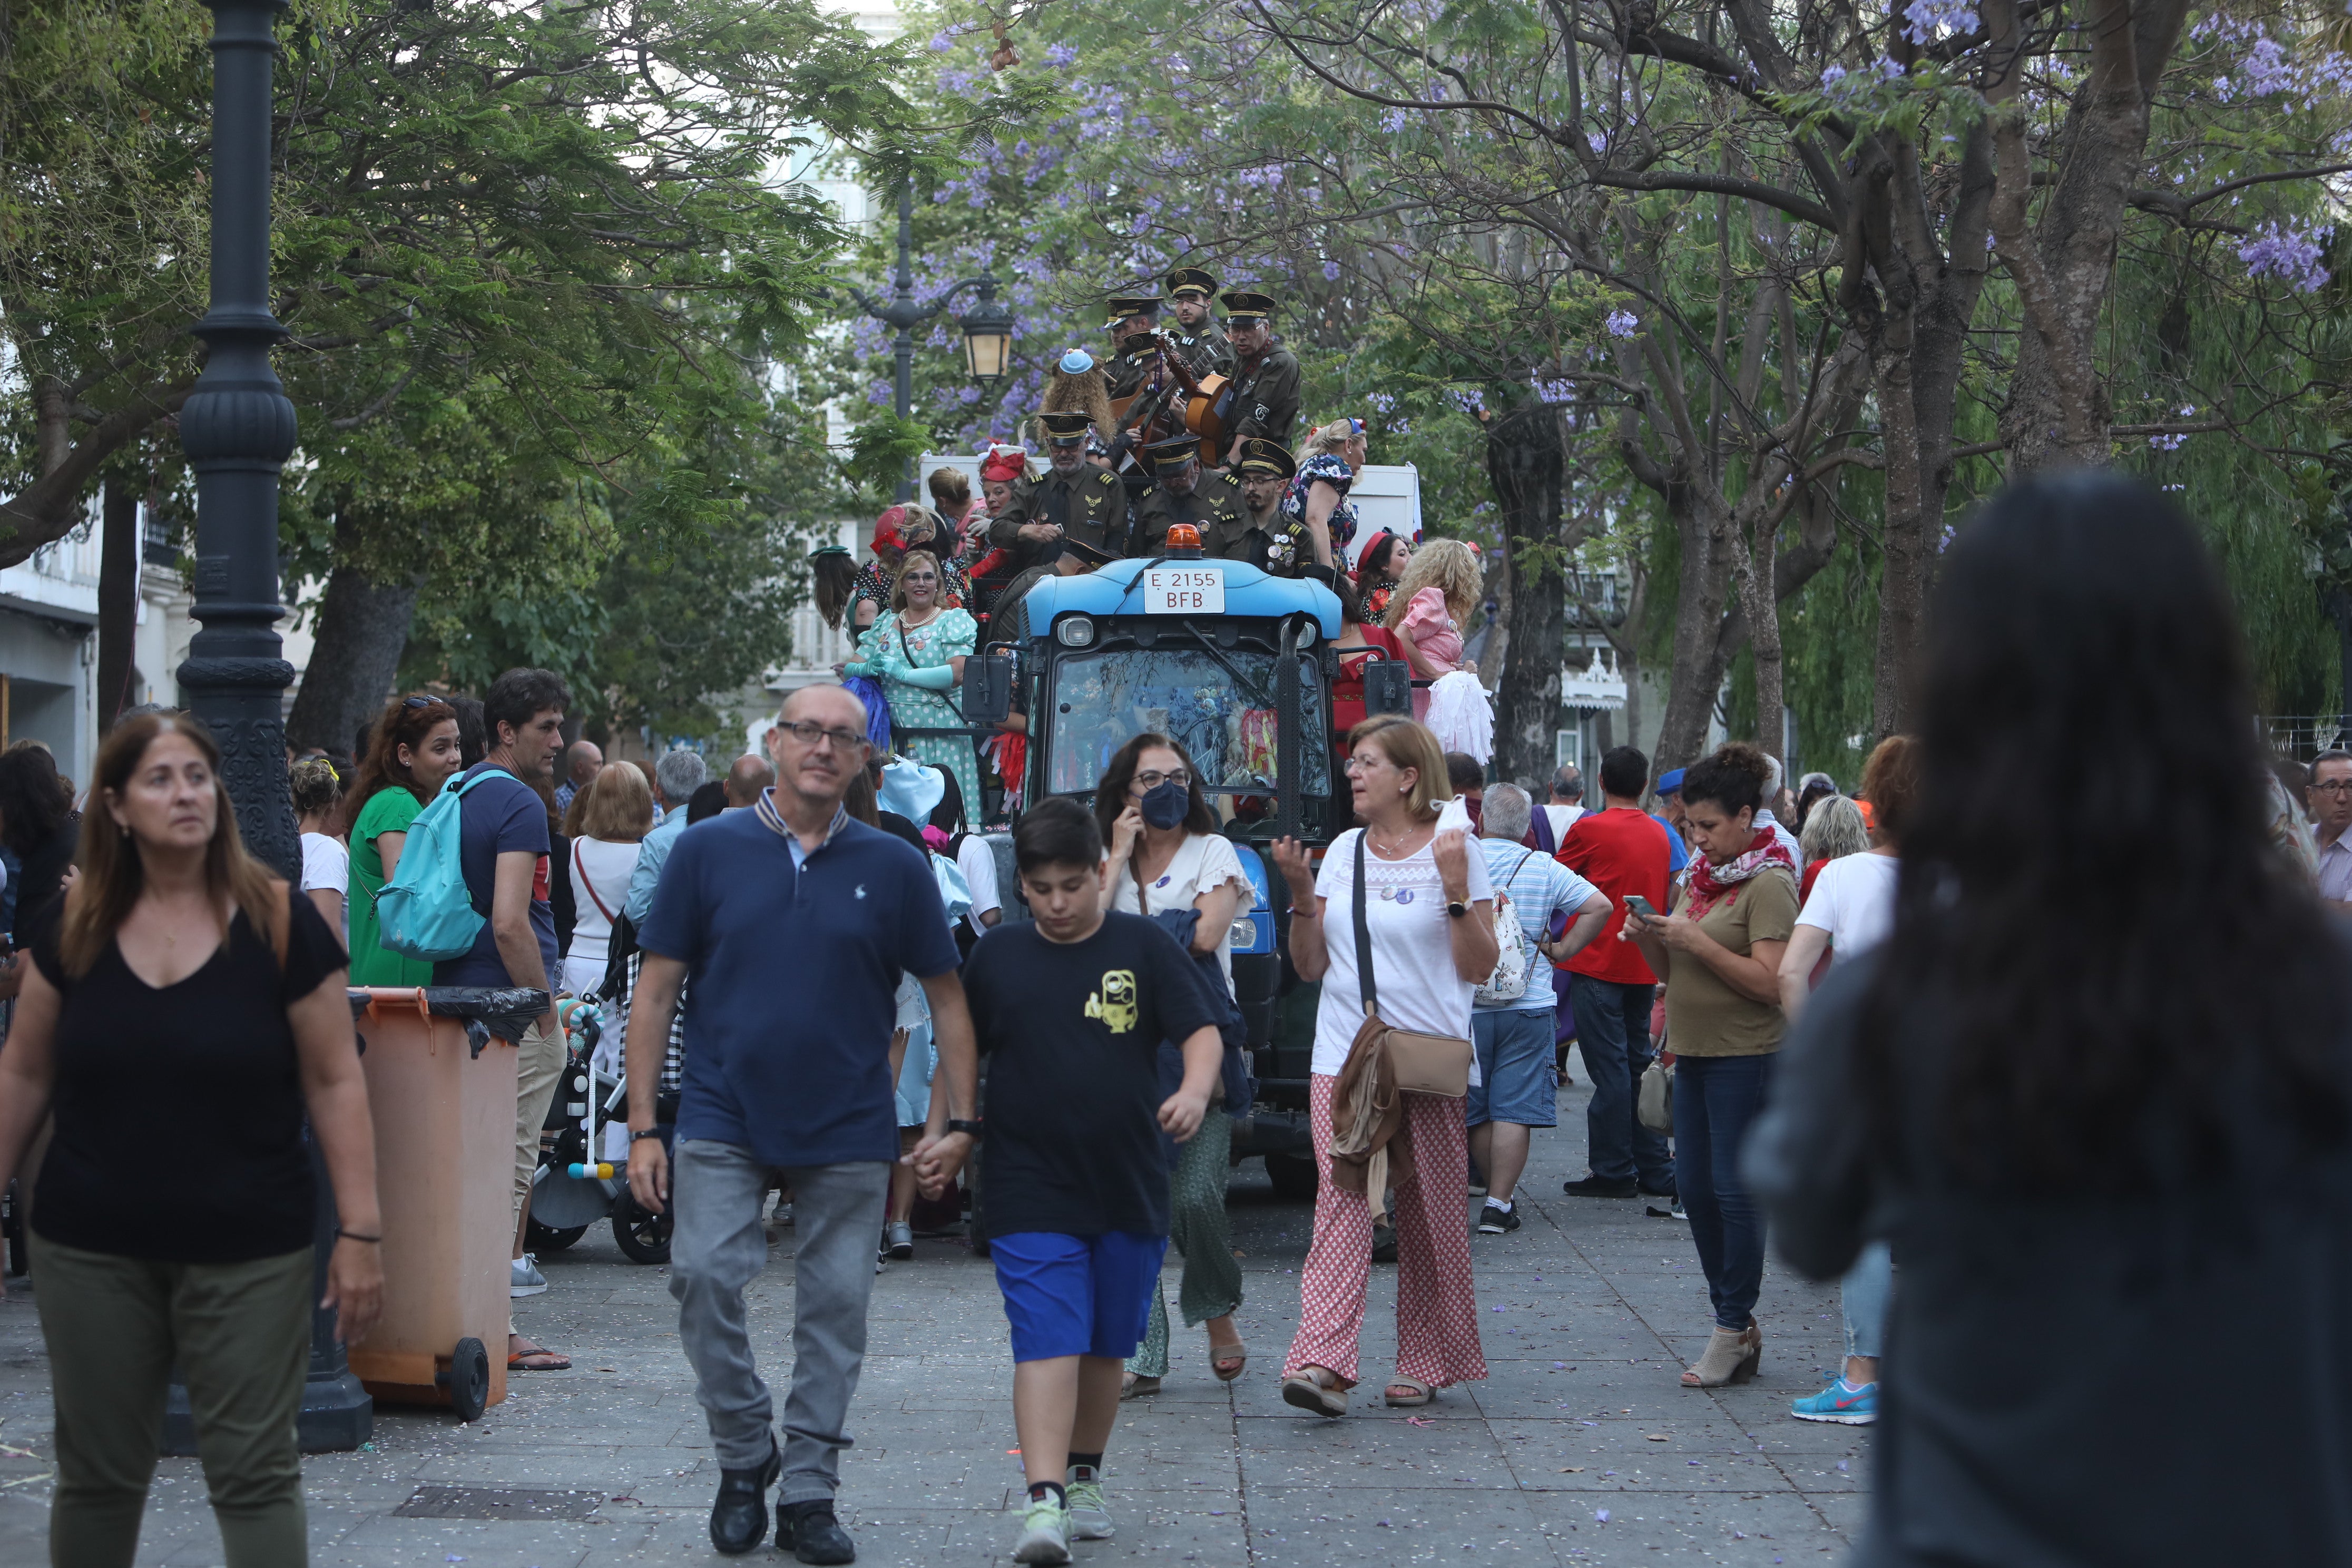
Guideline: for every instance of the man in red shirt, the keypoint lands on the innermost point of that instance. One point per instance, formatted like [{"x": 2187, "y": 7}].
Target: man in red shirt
[{"x": 1622, "y": 850}]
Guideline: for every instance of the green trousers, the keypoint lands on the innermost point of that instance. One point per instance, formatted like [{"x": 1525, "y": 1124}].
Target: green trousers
[
  {"x": 1213, "y": 1280},
  {"x": 241, "y": 1335}
]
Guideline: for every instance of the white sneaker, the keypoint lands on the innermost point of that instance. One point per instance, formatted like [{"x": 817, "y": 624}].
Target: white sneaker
[
  {"x": 1044, "y": 1533},
  {"x": 1089, "y": 1513},
  {"x": 524, "y": 1278}
]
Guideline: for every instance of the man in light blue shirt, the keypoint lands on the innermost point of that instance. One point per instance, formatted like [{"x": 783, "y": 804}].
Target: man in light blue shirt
[{"x": 675, "y": 777}]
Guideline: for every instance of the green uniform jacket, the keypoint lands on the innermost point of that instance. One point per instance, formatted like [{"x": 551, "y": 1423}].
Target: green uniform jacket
[
  {"x": 1214, "y": 506},
  {"x": 1280, "y": 551},
  {"x": 1127, "y": 372},
  {"x": 1090, "y": 505},
  {"x": 1266, "y": 399},
  {"x": 1206, "y": 351}
]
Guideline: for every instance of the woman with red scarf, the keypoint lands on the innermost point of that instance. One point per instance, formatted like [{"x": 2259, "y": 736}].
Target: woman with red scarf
[{"x": 1719, "y": 955}]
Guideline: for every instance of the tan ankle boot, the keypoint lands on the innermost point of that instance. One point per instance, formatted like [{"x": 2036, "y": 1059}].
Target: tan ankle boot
[{"x": 1729, "y": 1358}]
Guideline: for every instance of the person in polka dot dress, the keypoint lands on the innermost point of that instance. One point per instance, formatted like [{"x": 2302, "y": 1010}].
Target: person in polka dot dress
[{"x": 1429, "y": 915}]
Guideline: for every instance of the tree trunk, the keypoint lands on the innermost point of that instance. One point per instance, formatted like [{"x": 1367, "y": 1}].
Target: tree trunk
[
  {"x": 1702, "y": 589},
  {"x": 1763, "y": 607},
  {"x": 1526, "y": 464},
  {"x": 117, "y": 596},
  {"x": 362, "y": 630}
]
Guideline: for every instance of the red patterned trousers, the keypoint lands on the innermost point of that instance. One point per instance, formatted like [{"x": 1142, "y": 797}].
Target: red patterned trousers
[{"x": 1437, "y": 1307}]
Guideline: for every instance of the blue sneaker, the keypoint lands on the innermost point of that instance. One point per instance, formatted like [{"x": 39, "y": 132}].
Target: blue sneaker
[{"x": 1842, "y": 1402}]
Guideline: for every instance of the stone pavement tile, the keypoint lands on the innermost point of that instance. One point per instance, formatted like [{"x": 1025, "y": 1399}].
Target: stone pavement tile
[
  {"x": 1357, "y": 1451},
  {"x": 1313, "y": 1525},
  {"x": 954, "y": 1477},
  {"x": 1753, "y": 1532},
  {"x": 1219, "y": 1538}
]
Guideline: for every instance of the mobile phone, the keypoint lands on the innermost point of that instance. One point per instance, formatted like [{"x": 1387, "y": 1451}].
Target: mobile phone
[{"x": 1640, "y": 906}]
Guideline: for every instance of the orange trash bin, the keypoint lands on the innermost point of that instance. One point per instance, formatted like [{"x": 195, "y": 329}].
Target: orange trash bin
[{"x": 445, "y": 1128}]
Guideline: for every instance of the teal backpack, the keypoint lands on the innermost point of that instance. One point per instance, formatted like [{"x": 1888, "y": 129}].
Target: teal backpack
[{"x": 424, "y": 911}]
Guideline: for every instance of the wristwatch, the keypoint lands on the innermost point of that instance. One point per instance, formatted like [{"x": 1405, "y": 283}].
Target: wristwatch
[
  {"x": 969, "y": 1129},
  {"x": 1455, "y": 908},
  {"x": 648, "y": 1132}
]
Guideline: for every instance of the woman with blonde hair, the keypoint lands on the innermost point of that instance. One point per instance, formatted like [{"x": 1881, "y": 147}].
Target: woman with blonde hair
[
  {"x": 186, "y": 1011},
  {"x": 607, "y": 825},
  {"x": 1428, "y": 914},
  {"x": 1318, "y": 496},
  {"x": 1429, "y": 613},
  {"x": 917, "y": 652}
]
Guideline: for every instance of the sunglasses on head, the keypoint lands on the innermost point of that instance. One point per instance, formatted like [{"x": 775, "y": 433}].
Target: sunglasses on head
[{"x": 419, "y": 701}]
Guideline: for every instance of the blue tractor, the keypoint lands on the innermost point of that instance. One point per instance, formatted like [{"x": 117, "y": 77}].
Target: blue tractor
[{"x": 1238, "y": 666}]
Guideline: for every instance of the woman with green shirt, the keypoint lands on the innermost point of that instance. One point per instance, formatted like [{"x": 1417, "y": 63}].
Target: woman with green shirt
[
  {"x": 412, "y": 751},
  {"x": 1719, "y": 955}
]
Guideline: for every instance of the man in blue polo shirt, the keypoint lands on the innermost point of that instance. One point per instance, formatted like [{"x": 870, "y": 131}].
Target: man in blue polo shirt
[{"x": 793, "y": 924}]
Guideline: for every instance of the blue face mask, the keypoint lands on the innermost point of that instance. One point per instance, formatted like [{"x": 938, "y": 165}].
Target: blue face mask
[{"x": 1166, "y": 804}]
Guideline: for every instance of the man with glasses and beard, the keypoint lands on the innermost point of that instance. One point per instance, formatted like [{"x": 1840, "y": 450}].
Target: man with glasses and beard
[
  {"x": 1261, "y": 535},
  {"x": 1075, "y": 500},
  {"x": 765, "y": 908}
]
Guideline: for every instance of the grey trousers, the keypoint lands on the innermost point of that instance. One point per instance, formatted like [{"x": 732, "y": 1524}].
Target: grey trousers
[{"x": 715, "y": 1250}]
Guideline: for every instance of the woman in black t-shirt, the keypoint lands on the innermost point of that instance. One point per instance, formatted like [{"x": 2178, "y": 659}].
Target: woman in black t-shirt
[{"x": 181, "y": 1015}]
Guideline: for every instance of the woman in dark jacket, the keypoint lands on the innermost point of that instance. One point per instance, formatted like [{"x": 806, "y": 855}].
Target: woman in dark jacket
[
  {"x": 38, "y": 824},
  {"x": 2107, "y": 1135}
]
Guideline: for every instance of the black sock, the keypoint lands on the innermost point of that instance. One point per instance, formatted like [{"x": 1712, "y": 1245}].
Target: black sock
[
  {"x": 1038, "y": 1490},
  {"x": 1090, "y": 1463}
]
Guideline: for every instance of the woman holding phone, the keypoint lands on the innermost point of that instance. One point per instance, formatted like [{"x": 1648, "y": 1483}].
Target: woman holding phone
[{"x": 1719, "y": 955}]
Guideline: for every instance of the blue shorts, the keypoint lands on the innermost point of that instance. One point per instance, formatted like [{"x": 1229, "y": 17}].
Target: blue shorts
[
  {"x": 1518, "y": 1080},
  {"x": 1077, "y": 1295}
]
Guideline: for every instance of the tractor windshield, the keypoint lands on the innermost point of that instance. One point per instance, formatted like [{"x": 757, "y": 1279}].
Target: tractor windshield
[{"x": 1219, "y": 707}]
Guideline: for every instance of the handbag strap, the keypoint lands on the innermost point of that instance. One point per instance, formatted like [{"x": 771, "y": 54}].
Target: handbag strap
[
  {"x": 580, "y": 867},
  {"x": 1364, "y": 986},
  {"x": 901, "y": 627}
]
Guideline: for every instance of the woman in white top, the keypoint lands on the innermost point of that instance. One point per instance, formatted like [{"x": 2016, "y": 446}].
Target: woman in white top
[
  {"x": 1430, "y": 917},
  {"x": 1851, "y": 910},
  {"x": 1167, "y": 854},
  {"x": 613, "y": 825},
  {"x": 326, "y": 864}
]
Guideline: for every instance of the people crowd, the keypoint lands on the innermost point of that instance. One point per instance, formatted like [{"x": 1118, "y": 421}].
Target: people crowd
[{"x": 1933, "y": 1037}]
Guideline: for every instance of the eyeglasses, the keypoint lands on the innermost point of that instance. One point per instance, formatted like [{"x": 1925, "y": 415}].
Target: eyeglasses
[
  {"x": 1150, "y": 781},
  {"x": 1362, "y": 764},
  {"x": 808, "y": 732},
  {"x": 2335, "y": 787}
]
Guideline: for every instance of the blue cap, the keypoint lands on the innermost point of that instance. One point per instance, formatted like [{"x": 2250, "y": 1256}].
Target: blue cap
[
  {"x": 1077, "y": 362},
  {"x": 1671, "y": 782}
]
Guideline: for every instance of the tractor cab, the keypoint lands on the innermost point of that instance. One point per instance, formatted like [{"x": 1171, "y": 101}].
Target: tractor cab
[{"x": 1236, "y": 665}]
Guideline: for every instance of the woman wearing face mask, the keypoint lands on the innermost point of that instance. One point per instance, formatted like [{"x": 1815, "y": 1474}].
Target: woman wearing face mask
[{"x": 1167, "y": 855}]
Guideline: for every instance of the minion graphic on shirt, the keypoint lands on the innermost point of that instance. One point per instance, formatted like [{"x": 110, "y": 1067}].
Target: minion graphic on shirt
[{"x": 1114, "y": 1001}]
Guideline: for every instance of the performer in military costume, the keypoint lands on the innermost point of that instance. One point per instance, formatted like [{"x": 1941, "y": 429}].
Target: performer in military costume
[
  {"x": 1265, "y": 378},
  {"x": 1075, "y": 500},
  {"x": 1262, "y": 535},
  {"x": 1195, "y": 336},
  {"x": 1182, "y": 493},
  {"x": 1130, "y": 314}
]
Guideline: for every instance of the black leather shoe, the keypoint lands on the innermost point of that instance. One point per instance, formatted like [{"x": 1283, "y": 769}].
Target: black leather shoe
[
  {"x": 809, "y": 1532},
  {"x": 1664, "y": 1190},
  {"x": 739, "y": 1519},
  {"x": 1597, "y": 1187}
]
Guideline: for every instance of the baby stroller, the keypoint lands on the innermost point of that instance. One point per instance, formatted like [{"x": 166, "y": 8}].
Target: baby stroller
[{"x": 579, "y": 1179}]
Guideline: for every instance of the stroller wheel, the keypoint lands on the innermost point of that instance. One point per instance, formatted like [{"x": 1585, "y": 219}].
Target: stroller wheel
[
  {"x": 643, "y": 1237},
  {"x": 546, "y": 1238}
]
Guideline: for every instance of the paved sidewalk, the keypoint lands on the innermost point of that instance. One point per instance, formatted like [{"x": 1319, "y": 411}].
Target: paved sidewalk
[{"x": 1579, "y": 1449}]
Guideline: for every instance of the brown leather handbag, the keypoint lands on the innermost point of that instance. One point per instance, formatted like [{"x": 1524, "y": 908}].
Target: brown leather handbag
[{"x": 1422, "y": 1064}]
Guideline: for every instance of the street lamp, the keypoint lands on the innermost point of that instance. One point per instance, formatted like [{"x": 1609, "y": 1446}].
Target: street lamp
[
  {"x": 987, "y": 326},
  {"x": 237, "y": 429}
]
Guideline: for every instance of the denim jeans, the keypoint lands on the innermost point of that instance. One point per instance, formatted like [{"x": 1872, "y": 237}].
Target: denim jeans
[
  {"x": 1613, "y": 1025},
  {"x": 1864, "y": 1294},
  {"x": 1716, "y": 1099}
]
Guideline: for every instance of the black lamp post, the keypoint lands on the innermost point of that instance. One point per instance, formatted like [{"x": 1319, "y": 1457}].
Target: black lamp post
[
  {"x": 237, "y": 429},
  {"x": 987, "y": 326}
]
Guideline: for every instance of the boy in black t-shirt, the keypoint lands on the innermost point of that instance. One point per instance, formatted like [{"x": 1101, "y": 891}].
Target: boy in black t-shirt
[{"x": 1071, "y": 1009}]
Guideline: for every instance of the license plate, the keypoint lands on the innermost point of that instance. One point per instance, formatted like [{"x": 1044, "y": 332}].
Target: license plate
[{"x": 1183, "y": 590}]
